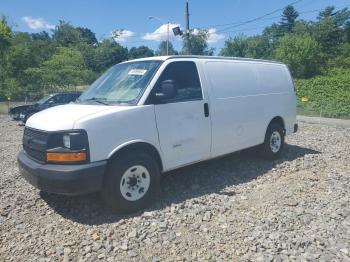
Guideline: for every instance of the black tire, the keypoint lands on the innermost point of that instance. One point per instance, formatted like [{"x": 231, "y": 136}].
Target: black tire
[
  {"x": 266, "y": 148},
  {"x": 111, "y": 192}
]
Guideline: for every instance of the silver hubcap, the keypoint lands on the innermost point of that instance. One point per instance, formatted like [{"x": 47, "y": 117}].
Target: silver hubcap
[
  {"x": 135, "y": 183},
  {"x": 275, "y": 142}
]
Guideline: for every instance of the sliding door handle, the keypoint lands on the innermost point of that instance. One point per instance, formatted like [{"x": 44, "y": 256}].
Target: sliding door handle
[{"x": 206, "y": 109}]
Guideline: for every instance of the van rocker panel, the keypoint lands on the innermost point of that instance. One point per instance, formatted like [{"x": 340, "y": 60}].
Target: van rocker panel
[{"x": 62, "y": 179}]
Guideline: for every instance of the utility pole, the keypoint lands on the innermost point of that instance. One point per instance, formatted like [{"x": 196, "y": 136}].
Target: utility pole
[
  {"x": 168, "y": 39},
  {"x": 187, "y": 18}
]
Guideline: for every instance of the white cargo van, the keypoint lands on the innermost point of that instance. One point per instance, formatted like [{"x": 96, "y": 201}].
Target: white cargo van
[{"x": 148, "y": 116}]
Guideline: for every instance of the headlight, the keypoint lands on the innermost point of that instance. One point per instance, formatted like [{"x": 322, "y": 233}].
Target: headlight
[
  {"x": 68, "y": 147},
  {"x": 66, "y": 141}
]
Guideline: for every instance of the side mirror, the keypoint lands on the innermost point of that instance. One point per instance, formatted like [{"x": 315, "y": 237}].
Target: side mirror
[
  {"x": 167, "y": 90},
  {"x": 50, "y": 103}
]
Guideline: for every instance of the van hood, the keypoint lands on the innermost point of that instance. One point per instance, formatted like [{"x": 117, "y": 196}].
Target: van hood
[{"x": 64, "y": 117}]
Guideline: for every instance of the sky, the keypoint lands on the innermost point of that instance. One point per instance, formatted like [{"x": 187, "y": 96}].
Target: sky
[{"x": 223, "y": 18}]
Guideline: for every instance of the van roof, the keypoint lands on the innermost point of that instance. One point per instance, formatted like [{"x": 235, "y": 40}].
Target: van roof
[{"x": 163, "y": 58}]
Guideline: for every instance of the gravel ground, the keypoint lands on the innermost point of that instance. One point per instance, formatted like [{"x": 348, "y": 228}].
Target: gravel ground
[{"x": 237, "y": 207}]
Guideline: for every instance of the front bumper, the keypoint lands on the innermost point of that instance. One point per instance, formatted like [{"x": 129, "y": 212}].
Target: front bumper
[{"x": 62, "y": 179}]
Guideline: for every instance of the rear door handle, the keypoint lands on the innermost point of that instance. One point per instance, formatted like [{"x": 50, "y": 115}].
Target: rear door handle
[{"x": 206, "y": 109}]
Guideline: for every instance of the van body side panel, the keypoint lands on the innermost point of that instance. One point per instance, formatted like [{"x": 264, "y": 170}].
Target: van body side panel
[
  {"x": 108, "y": 130},
  {"x": 275, "y": 80},
  {"x": 245, "y": 97}
]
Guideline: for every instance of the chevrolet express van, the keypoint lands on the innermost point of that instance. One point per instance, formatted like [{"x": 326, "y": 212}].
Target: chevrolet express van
[{"x": 147, "y": 116}]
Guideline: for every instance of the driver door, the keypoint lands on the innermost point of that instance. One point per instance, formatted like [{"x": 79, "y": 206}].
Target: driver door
[{"x": 183, "y": 121}]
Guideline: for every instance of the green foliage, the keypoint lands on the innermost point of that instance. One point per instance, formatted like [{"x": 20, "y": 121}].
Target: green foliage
[
  {"x": 65, "y": 34},
  {"x": 343, "y": 58},
  {"x": 329, "y": 94},
  {"x": 64, "y": 69},
  {"x": 330, "y": 31},
  {"x": 162, "y": 49},
  {"x": 5, "y": 35},
  {"x": 288, "y": 19},
  {"x": 40, "y": 63},
  {"x": 139, "y": 52},
  {"x": 109, "y": 53},
  {"x": 87, "y": 36},
  {"x": 300, "y": 53},
  {"x": 5, "y": 42},
  {"x": 195, "y": 43},
  {"x": 242, "y": 46},
  {"x": 236, "y": 47}
]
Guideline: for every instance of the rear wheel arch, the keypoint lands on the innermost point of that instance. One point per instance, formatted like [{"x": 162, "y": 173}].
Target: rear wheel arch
[{"x": 277, "y": 120}]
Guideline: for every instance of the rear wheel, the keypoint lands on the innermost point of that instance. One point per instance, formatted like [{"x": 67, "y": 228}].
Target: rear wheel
[
  {"x": 132, "y": 182},
  {"x": 274, "y": 141}
]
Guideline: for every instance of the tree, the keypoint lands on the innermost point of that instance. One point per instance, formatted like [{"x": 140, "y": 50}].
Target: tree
[
  {"x": 195, "y": 43},
  {"x": 302, "y": 27},
  {"x": 5, "y": 35},
  {"x": 258, "y": 47},
  {"x": 288, "y": 19},
  {"x": 64, "y": 69},
  {"x": 87, "y": 35},
  {"x": 330, "y": 29},
  {"x": 236, "y": 47},
  {"x": 139, "y": 52},
  {"x": 5, "y": 42},
  {"x": 301, "y": 53},
  {"x": 162, "y": 49},
  {"x": 347, "y": 32},
  {"x": 242, "y": 46},
  {"x": 108, "y": 53},
  {"x": 272, "y": 34},
  {"x": 66, "y": 35},
  {"x": 342, "y": 60},
  {"x": 327, "y": 12},
  {"x": 26, "y": 51}
]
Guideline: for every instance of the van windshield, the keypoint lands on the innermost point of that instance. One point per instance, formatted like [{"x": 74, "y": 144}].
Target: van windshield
[{"x": 121, "y": 84}]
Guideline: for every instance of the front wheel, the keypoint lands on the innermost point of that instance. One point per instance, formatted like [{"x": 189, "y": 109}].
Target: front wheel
[
  {"x": 274, "y": 142},
  {"x": 131, "y": 183}
]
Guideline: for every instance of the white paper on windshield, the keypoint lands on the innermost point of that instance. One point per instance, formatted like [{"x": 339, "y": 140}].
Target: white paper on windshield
[{"x": 137, "y": 72}]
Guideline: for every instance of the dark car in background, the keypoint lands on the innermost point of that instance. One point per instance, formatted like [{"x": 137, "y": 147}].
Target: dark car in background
[{"x": 22, "y": 113}]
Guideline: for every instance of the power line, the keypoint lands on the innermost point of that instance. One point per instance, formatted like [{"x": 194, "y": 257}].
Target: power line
[
  {"x": 271, "y": 18},
  {"x": 234, "y": 25},
  {"x": 257, "y": 18}
]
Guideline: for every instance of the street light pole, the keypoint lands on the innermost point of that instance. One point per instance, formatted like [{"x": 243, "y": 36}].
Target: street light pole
[
  {"x": 167, "y": 41},
  {"x": 168, "y": 32}
]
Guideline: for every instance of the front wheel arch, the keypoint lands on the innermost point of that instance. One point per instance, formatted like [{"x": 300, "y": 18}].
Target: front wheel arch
[{"x": 138, "y": 146}]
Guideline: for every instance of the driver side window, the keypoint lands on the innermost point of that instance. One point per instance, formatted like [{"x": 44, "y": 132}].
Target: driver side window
[{"x": 184, "y": 74}]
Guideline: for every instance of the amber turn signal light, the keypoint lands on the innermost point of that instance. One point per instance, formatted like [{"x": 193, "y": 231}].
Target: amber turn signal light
[{"x": 66, "y": 157}]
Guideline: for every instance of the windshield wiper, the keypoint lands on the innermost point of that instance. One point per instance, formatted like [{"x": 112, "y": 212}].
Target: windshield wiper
[{"x": 97, "y": 100}]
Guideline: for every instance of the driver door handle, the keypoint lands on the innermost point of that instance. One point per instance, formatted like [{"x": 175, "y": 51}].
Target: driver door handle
[{"x": 206, "y": 109}]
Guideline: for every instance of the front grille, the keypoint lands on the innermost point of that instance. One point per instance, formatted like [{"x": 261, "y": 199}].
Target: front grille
[
  {"x": 37, "y": 134},
  {"x": 38, "y": 155},
  {"x": 35, "y": 143}
]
